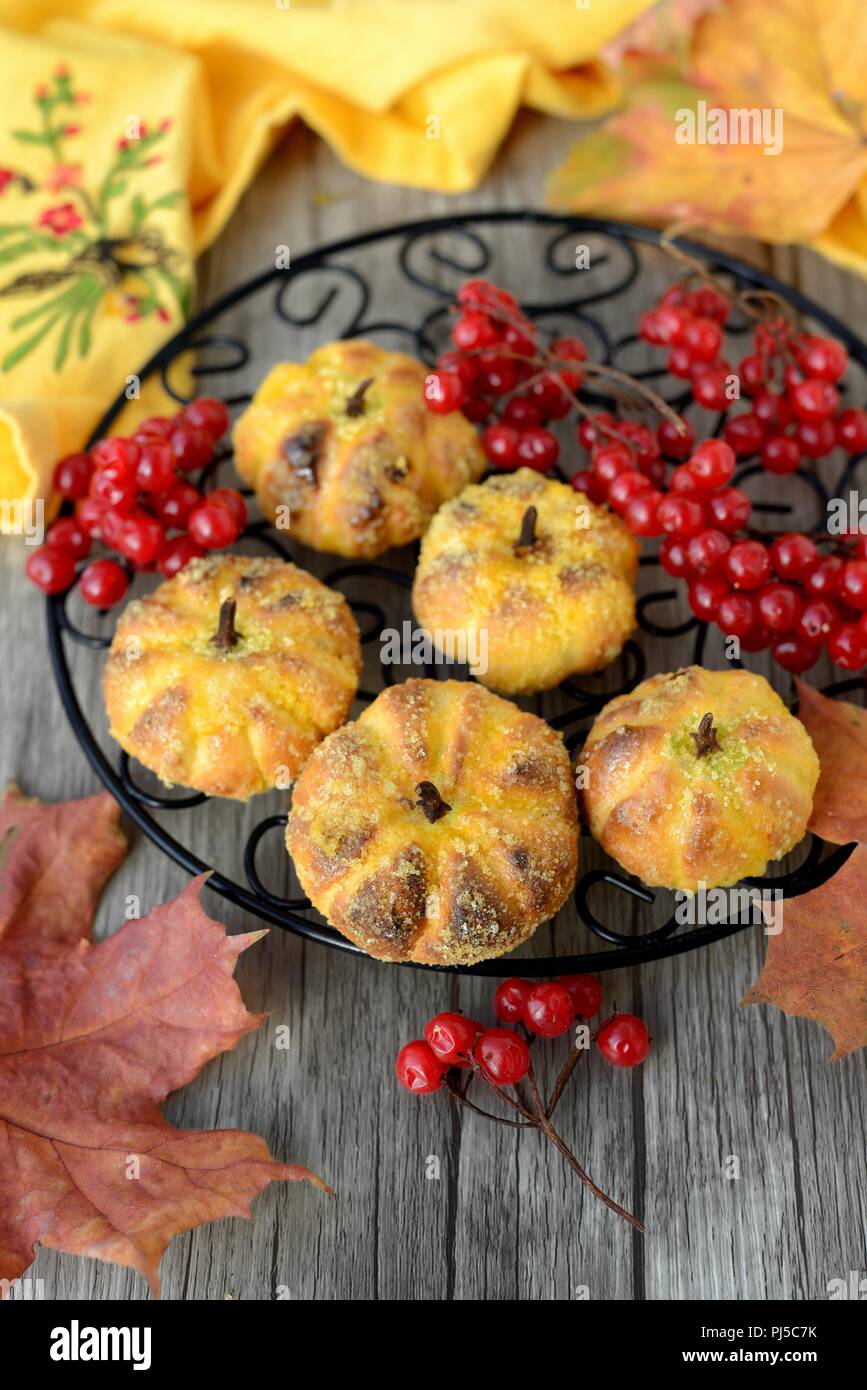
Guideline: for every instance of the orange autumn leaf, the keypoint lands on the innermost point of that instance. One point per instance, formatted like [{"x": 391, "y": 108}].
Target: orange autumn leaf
[
  {"x": 92, "y": 1040},
  {"x": 839, "y": 734},
  {"x": 54, "y": 862},
  {"x": 791, "y": 56},
  {"x": 817, "y": 965}
]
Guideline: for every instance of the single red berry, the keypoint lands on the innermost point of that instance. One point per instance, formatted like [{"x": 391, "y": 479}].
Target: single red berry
[
  {"x": 684, "y": 483},
  {"x": 625, "y": 487},
  {"x": 510, "y": 998},
  {"x": 641, "y": 513},
  {"x": 548, "y": 1010},
  {"x": 623, "y": 1040},
  {"x": 737, "y": 615},
  {"x": 780, "y": 454},
  {"x": 744, "y": 433},
  {"x": 231, "y": 498},
  {"x": 794, "y": 654},
  {"x": 703, "y": 337},
  {"x": 752, "y": 373},
  {"x": 779, "y": 607},
  {"x": 825, "y": 578},
  {"x": 521, "y": 412},
  {"x": 212, "y": 525},
  {"x": 585, "y": 992},
  {"x": 141, "y": 539},
  {"x": 814, "y": 399},
  {"x": 480, "y": 293},
  {"x": 111, "y": 526},
  {"x": 663, "y": 325},
  {"x": 709, "y": 387},
  {"x": 681, "y": 517},
  {"x": 474, "y": 329},
  {"x": 177, "y": 552},
  {"x": 821, "y": 357},
  {"x": 500, "y": 443},
  {"x": 815, "y": 438},
  {"x": 590, "y": 484},
  {"x": 503, "y": 1056},
  {"x": 192, "y": 446},
  {"x": 675, "y": 444},
  {"x": 520, "y": 338},
  {"x": 772, "y": 409},
  {"x": 818, "y": 622},
  {"x": 538, "y": 448},
  {"x": 853, "y": 584},
  {"x": 119, "y": 495},
  {"x": 679, "y": 361},
  {"x": 174, "y": 506},
  {"x": 610, "y": 460},
  {"x": 705, "y": 596},
  {"x": 712, "y": 464},
  {"x": 443, "y": 392},
  {"x": 550, "y": 398},
  {"x": 155, "y": 470},
  {"x": 51, "y": 568},
  {"x": 756, "y": 639},
  {"x": 729, "y": 510},
  {"x": 591, "y": 431},
  {"x": 103, "y": 583},
  {"x": 708, "y": 301},
  {"x": 116, "y": 458},
  {"x": 707, "y": 550},
  {"x": 69, "y": 533},
  {"x": 72, "y": 475},
  {"x": 451, "y": 1037},
  {"x": 569, "y": 350},
  {"x": 793, "y": 556},
  {"x": 89, "y": 513},
  {"x": 674, "y": 558},
  {"x": 154, "y": 427},
  {"x": 747, "y": 564},
  {"x": 850, "y": 429},
  {"x": 468, "y": 369},
  {"x": 208, "y": 414},
  {"x": 847, "y": 647},
  {"x": 643, "y": 444},
  {"x": 418, "y": 1069}
]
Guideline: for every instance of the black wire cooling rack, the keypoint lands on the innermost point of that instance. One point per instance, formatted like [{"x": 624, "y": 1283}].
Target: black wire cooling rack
[{"x": 433, "y": 256}]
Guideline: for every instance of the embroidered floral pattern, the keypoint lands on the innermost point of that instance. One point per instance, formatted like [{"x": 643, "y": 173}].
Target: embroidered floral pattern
[{"x": 81, "y": 227}]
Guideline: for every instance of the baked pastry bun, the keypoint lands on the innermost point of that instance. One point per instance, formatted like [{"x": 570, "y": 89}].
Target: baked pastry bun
[
  {"x": 441, "y": 826},
  {"x": 698, "y": 779},
  {"x": 227, "y": 676},
  {"x": 346, "y": 446},
  {"x": 531, "y": 570}
]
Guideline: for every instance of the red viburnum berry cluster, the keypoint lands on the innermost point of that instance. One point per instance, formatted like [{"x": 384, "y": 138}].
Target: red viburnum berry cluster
[
  {"x": 500, "y": 366},
  {"x": 134, "y": 495},
  {"x": 456, "y": 1049},
  {"x": 781, "y": 592}
]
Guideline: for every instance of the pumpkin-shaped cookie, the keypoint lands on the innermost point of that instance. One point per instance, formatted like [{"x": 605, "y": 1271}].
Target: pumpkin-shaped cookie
[
  {"x": 441, "y": 826},
  {"x": 698, "y": 779},
  {"x": 226, "y": 677},
  {"x": 342, "y": 450},
  {"x": 536, "y": 578}
]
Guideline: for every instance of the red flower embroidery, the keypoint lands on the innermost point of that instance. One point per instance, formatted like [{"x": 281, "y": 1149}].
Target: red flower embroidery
[
  {"x": 61, "y": 219},
  {"x": 64, "y": 176},
  {"x": 6, "y": 177}
]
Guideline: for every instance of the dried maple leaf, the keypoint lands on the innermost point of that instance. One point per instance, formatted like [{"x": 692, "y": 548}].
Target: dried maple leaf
[
  {"x": 54, "y": 862},
  {"x": 793, "y": 56},
  {"x": 92, "y": 1040},
  {"x": 839, "y": 734},
  {"x": 817, "y": 965}
]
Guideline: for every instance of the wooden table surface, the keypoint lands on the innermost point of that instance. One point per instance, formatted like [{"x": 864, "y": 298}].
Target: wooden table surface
[{"x": 504, "y": 1219}]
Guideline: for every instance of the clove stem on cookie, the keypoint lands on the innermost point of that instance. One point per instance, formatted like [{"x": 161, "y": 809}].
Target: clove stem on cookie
[
  {"x": 430, "y": 801},
  {"x": 226, "y": 635},
  {"x": 705, "y": 737},
  {"x": 527, "y": 538}
]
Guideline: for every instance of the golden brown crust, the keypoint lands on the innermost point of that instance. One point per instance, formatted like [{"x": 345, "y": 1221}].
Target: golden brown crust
[
  {"x": 242, "y": 720},
  {"x": 680, "y": 820},
  {"x": 357, "y": 482},
  {"x": 562, "y": 606},
  {"x": 470, "y": 884}
]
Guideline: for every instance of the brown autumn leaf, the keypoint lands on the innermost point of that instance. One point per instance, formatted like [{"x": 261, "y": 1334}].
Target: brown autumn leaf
[
  {"x": 54, "y": 862},
  {"x": 817, "y": 965},
  {"x": 92, "y": 1040},
  {"x": 839, "y": 734},
  {"x": 804, "y": 60}
]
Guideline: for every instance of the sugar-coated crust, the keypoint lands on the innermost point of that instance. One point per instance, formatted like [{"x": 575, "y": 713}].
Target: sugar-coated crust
[
  {"x": 378, "y": 475},
  {"x": 682, "y": 821},
  {"x": 473, "y": 883},
  {"x": 242, "y": 720},
  {"x": 558, "y": 608}
]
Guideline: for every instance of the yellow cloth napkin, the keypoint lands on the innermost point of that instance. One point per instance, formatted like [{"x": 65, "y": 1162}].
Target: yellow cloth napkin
[{"x": 130, "y": 131}]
